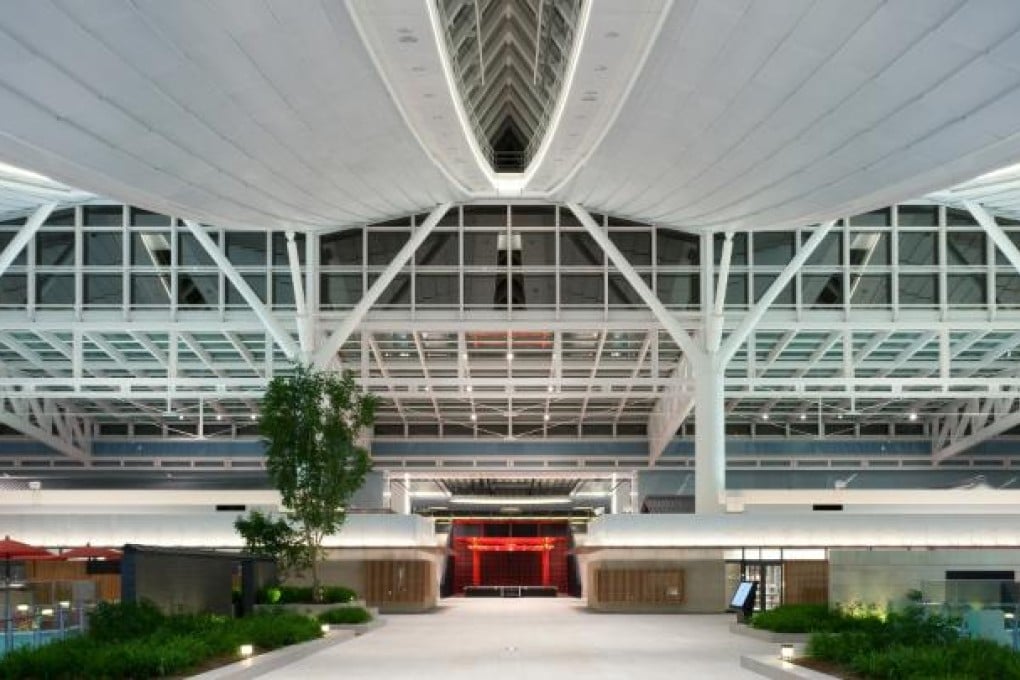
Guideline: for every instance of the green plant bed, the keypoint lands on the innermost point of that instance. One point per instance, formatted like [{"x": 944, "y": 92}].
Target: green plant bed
[
  {"x": 304, "y": 595},
  {"x": 138, "y": 641},
  {"x": 912, "y": 644},
  {"x": 800, "y": 618},
  {"x": 345, "y": 615}
]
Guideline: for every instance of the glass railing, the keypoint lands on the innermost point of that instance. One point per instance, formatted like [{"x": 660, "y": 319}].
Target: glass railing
[
  {"x": 987, "y": 609},
  {"x": 35, "y": 613}
]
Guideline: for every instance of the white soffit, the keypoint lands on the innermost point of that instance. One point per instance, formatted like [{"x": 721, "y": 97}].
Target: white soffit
[
  {"x": 766, "y": 114},
  {"x": 22, "y": 191},
  {"x": 239, "y": 113},
  {"x": 618, "y": 37},
  {"x": 401, "y": 39}
]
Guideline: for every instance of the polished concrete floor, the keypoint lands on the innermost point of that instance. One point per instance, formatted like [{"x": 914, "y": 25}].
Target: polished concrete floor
[{"x": 532, "y": 639}]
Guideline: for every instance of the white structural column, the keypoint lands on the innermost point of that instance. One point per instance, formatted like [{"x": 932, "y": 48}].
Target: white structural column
[
  {"x": 709, "y": 436},
  {"x": 282, "y": 337},
  {"x": 24, "y": 235},
  {"x": 300, "y": 303},
  {"x": 338, "y": 337}
]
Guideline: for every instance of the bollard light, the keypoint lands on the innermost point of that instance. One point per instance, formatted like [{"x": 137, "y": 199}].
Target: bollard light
[
  {"x": 246, "y": 651},
  {"x": 325, "y": 628},
  {"x": 46, "y": 612},
  {"x": 786, "y": 652}
]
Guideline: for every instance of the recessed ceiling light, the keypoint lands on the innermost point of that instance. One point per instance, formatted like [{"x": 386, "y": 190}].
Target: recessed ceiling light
[
  {"x": 546, "y": 417},
  {"x": 219, "y": 416},
  {"x": 764, "y": 416},
  {"x": 474, "y": 416},
  {"x": 254, "y": 416},
  {"x": 509, "y": 356},
  {"x": 180, "y": 417},
  {"x": 404, "y": 355},
  {"x": 912, "y": 416},
  {"x": 551, "y": 388},
  {"x": 424, "y": 335},
  {"x": 614, "y": 354},
  {"x": 468, "y": 388},
  {"x": 464, "y": 356},
  {"x": 803, "y": 416}
]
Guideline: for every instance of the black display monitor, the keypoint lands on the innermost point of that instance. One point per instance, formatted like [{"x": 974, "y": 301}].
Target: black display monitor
[{"x": 743, "y": 597}]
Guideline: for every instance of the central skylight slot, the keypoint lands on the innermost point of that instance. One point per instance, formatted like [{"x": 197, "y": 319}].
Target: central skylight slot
[{"x": 509, "y": 58}]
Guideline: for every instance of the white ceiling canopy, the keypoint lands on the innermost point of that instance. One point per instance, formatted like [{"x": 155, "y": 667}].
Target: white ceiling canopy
[
  {"x": 230, "y": 112},
  {"x": 764, "y": 114}
]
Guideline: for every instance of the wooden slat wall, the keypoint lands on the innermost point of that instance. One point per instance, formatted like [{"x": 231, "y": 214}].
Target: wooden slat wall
[
  {"x": 806, "y": 582},
  {"x": 644, "y": 587},
  {"x": 409, "y": 582},
  {"x": 107, "y": 585}
]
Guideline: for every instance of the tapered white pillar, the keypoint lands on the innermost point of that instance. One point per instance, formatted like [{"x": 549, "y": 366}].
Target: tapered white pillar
[{"x": 709, "y": 437}]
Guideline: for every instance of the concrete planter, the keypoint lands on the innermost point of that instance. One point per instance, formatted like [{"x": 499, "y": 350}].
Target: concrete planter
[
  {"x": 358, "y": 628},
  {"x": 316, "y": 609}
]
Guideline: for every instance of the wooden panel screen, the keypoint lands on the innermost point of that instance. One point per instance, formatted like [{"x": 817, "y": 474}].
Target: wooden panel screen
[
  {"x": 806, "y": 582},
  {"x": 399, "y": 581},
  {"x": 647, "y": 587},
  {"x": 61, "y": 573}
]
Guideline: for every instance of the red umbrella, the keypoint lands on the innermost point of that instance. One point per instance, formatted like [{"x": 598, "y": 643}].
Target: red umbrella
[
  {"x": 88, "y": 552},
  {"x": 19, "y": 552}
]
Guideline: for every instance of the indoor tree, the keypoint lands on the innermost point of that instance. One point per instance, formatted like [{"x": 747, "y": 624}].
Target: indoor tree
[
  {"x": 271, "y": 536},
  {"x": 311, "y": 420}
]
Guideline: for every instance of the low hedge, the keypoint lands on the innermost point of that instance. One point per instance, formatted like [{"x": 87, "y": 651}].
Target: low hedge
[
  {"x": 119, "y": 645},
  {"x": 800, "y": 618},
  {"x": 345, "y": 615},
  {"x": 304, "y": 595}
]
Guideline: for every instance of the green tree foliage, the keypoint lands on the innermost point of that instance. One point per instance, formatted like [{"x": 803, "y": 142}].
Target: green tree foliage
[
  {"x": 276, "y": 538},
  {"x": 311, "y": 420}
]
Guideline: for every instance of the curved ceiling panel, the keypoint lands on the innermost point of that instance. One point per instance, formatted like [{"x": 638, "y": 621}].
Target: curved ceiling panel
[
  {"x": 761, "y": 114},
  {"x": 234, "y": 112}
]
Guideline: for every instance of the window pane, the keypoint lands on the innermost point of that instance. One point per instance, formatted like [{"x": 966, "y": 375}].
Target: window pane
[
  {"x": 257, "y": 283},
  {"x": 1000, "y": 259},
  {"x": 636, "y": 246},
  {"x": 621, "y": 293},
  {"x": 437, "y": 289},
  {"x": 875, "y": 218},
  {"x": 246, "y": 249},
  {"x": 280, "y": 256},
  {"x": 965, "y": 247},
  {"x": 54, "y": 248},
  {"x": 485, "y": 215},
  {"x": 144, "y": 218},
  {"x": 772, "y": 249},
  {"x": 54, "y": 289},
  {"x": 822, "y": 290},
  {"x": 480, "y": 249},
  {"x": 676, "y": 249},
  {"x": 1007, "y": 289},
  {"x": 538, "y": 249},
  {"x": 539, "y": 289},
  {"x": 869, "y": 290},
  {"x": 739, "y": 256},
  {"x": 107, "y": 216},
  {"x": 533, "y": 215},
  {"x": 283, "y": 290},
  {"x": 149, "y": 289},
  {"x": 341, "y": 249},
  {"x": 152, "y": 249},
  {"x": 918, "y": 248},
  {"x": 959, "y": 218},
  {"x": 5, "y": 238},
  {"x": 919, "y": 289},
  {"x": 397, "y": 293},
  {"x": 13, "y": 290},
  {"x": 384, "y": 245},
  {"x": 103, "y": 248},
  {"x": 679, "y": 289},
  {"x": 918, "y": 215},
  {"x": 584, "y": 289},
  {"x": 198, "y": 290},
  {"x": 103, "y": 289},
  {"x": 966, "y": 289},
  {"x": 869, "y": 248},
  {"x": 578, "y": 249},
  {"x": 829, "y": 251},
  {"x": 439, "y": 249},
  {"x": 480, "y": 290},
  {"x": 63, "y": 218},
  {"x": 762, "y": 282}
]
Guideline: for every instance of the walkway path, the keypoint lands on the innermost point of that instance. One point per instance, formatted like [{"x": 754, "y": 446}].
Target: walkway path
[{"x": 534, "y": 639}]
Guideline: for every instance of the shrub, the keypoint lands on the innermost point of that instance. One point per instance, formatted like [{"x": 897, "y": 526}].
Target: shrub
[
  {"x": 304, "y": 595},
  {"x": 113, "y": 622},
  {"x": 345, "y": 615},
  {"x": 137, "y": 641},
  {"x": 799, "y": 618}
]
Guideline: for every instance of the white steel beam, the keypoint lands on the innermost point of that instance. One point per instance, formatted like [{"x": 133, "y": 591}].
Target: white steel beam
[
  {"x": 974, "y": 421},
  {"x": 327, "y": 353},
  {"x": 300, "y": 301},
  {"x": 282, "y": 337},
  {"x": 748, "y": 323},
  {"x": 24, "y": 235},
  {"x": 995, "y": 232},
  {"x": 669, "y": 322},
  {"x": 669, "y": 413}
]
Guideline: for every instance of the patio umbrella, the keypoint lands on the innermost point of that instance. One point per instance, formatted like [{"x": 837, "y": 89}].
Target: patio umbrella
[
  {"x": 89, "y": 552},
  {"x": 16, "y": 551}
]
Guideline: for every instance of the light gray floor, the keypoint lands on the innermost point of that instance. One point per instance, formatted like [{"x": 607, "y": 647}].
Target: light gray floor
[{"x": 532, "y": 639}]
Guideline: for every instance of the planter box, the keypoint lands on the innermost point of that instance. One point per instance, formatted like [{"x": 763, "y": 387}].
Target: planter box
[
  {"x": 358, "y": 628},
  {"x": 768, "y": 635},
  {"x": 316, "y": 609}
]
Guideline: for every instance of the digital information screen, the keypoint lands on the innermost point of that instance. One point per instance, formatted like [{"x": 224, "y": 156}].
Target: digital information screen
[{"x": 743, "y": 592}]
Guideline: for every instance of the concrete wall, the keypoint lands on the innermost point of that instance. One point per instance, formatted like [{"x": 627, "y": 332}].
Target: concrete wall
[
  {"x": 883, "y": 577},
  {"x": 704, "y": 575}
]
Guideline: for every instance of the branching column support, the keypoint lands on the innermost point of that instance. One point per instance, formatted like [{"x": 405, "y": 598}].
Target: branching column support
[
  {"x": 300, "y": 302},
  {"x": 24, "y": 235},
  {"x": 327, "y": 353}
]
